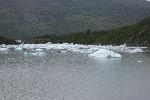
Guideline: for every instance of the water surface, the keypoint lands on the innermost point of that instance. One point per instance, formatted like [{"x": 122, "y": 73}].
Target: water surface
[{"x": 74, "y": 76}]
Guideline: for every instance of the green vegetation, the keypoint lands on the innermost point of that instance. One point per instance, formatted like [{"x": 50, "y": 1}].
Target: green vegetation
[
  {"x": 137, "y": 34},
  {"x": 4, "y": 40}
]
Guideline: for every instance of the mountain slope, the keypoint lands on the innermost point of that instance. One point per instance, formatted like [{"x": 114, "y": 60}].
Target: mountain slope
[
  {"x": 137, "y": 34},
  {"x": 25, "y": 18}
]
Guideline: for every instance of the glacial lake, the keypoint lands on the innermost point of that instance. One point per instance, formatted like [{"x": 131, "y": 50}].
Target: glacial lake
[{"x": 74, "y": 76}]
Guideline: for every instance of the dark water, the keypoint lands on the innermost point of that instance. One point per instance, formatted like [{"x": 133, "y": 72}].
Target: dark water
[{"x": 74, "y": 76}]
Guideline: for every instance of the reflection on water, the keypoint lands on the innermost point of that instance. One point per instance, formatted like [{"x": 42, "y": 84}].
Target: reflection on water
[{"x": 74, "y": 76}]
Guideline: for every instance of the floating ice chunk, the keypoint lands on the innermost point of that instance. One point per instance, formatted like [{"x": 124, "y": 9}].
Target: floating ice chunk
[
  {"x": 70, "y": 47},
  {"x": 105, "y": 53},
  {"x": 19, "y": 41},
  {"x": 139, "y": 61},
  {"x": 75, "y": 50},
  {"x": 51, "y": 51},
  {"x": 25, "y": 53},
  {"x": 39, "y": 49},
  {"x": 122, "y": 48},
  {"x": 36, "y": 53},
  {"x": 18, "y": 48},
  {"x": 4, "y": 49},
  {"x": 136, "y": 50},
  {"x": 48, "y": 43}
]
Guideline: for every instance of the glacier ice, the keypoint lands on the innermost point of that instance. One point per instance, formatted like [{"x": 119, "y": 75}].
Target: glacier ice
[{"x": 107, "y": 51}]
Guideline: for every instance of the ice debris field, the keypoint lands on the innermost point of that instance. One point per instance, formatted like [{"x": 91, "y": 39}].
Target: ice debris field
[{"x": 92, "y": 50}]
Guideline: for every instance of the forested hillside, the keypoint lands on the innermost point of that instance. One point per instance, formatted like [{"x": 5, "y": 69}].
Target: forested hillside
[
  {"x": 26, "y": 18},
  {"x": 137, "y": 34},
  {"x": 4, "y": 40}
]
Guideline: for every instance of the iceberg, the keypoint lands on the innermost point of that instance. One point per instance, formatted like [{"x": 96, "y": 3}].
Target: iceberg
[
  {"x": 105, "y": 53},
  {"x": 65, "y": 47}
]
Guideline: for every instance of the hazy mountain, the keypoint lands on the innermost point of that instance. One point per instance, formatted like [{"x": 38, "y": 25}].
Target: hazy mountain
[{"x": 23, "y": 18}]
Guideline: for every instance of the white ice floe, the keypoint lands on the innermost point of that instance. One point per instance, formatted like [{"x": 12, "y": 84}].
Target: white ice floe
[
  {"x": 25, "y": 53},
  {"x": 136, "y": 50},
  {"x": 124, "y": 48},
  {"x": 63, "y": 51},
  {"x": 65, "y": 47},
  {"x": 139, "y": 61},
  {"x": 4, "y": 49},
  {"x": 35, "y": 53},
  {"x": 105, "y": 53}
]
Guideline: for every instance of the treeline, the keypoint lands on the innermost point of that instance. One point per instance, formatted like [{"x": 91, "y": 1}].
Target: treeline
[
  {"x": 137, "y": 34},
  {"x": 4, "y": 40}
]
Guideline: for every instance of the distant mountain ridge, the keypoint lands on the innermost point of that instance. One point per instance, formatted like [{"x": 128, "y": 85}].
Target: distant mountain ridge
[{"x": 25, "y": 18}]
